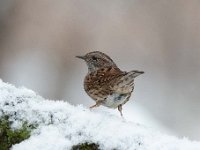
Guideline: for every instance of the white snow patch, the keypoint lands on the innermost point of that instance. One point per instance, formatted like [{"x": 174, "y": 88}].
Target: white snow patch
[{"x": 62, "y": 125}]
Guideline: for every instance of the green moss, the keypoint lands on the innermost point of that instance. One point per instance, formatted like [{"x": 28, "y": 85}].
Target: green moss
[
  {"x": 9, "y": 137},
  {"x": 86, "y": 146}
]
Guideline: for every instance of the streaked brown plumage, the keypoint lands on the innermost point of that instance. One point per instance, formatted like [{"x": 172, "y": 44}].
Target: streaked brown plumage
[{"x": 106, "y": 83}]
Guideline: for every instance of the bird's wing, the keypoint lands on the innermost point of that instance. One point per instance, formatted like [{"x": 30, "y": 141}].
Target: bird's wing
[
  {"x": 107, "y": 81},
  {"x": 125, "y": 83},
  {"x": 120, "y": 86},
  {"x": 99, "y": 82}
]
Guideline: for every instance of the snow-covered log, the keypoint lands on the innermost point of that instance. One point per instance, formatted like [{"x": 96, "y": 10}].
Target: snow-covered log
[{"x": 60, "y": 125}]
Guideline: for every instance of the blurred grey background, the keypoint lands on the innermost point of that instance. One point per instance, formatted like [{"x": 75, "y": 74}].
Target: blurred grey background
[{"x": 40, "y": 39}]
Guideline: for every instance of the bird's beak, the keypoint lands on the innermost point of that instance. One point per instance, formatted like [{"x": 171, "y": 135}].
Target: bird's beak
[{"x": 81, "y": 57}]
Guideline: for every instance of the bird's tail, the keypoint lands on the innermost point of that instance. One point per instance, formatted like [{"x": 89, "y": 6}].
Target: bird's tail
[{"x": 135, "y": 73}]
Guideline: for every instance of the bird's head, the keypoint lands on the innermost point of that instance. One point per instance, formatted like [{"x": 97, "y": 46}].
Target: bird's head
[{"x": 96, "y": 60}]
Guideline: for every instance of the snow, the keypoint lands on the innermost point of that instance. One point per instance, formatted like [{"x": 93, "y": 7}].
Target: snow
[{"x": 62, "y": 125}]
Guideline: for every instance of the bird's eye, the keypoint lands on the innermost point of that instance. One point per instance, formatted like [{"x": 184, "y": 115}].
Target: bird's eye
[{"x": 94, "y": 58}]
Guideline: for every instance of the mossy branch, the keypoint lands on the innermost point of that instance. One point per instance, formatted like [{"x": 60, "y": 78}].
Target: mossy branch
[{"x": 9, "y": 136}]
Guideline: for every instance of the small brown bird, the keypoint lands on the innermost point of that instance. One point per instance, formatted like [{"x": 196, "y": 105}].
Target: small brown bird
[{"x": 106, "y": 83}]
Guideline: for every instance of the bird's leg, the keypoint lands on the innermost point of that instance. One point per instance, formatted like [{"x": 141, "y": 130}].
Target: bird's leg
[
  {"x": 93, "y": 106},
  {"x": 98, "y": 103},
  {"x": 120, "y": 109}
]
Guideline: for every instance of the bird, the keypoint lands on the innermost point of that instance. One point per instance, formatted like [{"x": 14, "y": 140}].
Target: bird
[{"x": 105, "y": 83}]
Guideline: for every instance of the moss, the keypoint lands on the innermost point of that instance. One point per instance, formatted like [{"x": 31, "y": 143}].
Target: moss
[
  {"x": 8, "y": 136},
  {"x": 86, "y": 146}
]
